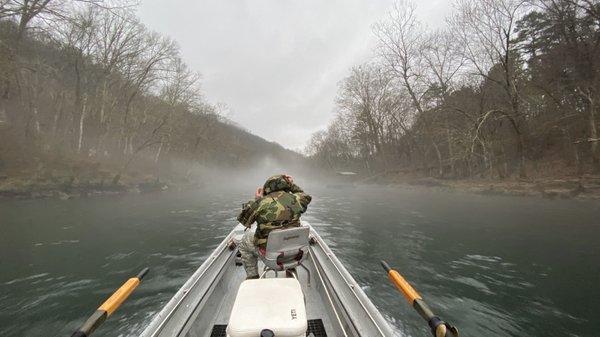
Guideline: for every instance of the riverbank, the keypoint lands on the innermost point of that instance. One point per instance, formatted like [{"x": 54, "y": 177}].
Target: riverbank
[
  {"x": 88, "y": 179},
  {"x": 72, "y": 178},
  {"x": 584, "y": 187},
  {"x": 68, "y": 188}
]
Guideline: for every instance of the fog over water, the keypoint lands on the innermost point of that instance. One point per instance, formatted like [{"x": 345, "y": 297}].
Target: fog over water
[
  {"x": 115, "y": 155},
  {"x": 495, "y": 266}
]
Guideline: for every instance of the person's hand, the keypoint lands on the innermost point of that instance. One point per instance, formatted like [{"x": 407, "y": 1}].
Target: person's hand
[
  {"x": 288, "y": 178},
  {"x": 259, "y": 193}
]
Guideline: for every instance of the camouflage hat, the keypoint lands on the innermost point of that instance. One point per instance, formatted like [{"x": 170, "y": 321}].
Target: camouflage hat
[{"x": 276, "y": 183}]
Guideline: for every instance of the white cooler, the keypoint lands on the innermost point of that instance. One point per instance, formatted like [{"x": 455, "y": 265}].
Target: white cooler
[{"x": 275, "y": 304}]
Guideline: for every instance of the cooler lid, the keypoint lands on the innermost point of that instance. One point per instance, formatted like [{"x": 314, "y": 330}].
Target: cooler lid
[{"x": 276, "y": 304}]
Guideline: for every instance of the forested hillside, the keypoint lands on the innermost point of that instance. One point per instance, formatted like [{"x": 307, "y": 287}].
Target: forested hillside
[
  {"x": 507, "y": 88},
  {"x": 89, "y": 95}
]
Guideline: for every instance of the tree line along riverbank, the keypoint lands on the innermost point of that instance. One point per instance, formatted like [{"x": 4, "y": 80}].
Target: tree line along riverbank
[
  {"x": 506, "y": 90},
  {"x": 94, "y": 102}
]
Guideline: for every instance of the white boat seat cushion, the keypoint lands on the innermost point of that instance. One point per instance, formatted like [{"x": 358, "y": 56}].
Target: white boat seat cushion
[
  {"x": 276, "y": 304},
  {"x": 286, "y": 248}
]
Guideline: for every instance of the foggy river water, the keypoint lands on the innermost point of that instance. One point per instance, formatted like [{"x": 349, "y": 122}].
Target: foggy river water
[{"x": 493, "y": 266}]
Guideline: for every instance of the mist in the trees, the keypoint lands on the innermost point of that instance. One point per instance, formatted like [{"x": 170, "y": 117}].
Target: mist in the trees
[
  {"x": 92, "y": 98},
  {"x": 507, "y": 88}
]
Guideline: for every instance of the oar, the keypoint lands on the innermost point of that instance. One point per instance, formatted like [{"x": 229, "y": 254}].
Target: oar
[
  {"x": 110, "y": 305},
  {"x": 438, "y": 327}
]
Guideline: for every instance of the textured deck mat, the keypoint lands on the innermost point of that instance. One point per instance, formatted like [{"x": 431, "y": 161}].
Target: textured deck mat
[
  {"x": 316, "y": 328},
  {"x": 219, "y": 331}
]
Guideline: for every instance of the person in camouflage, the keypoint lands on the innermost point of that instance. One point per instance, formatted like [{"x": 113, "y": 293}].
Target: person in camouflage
[{"x": 278, "y": 204}]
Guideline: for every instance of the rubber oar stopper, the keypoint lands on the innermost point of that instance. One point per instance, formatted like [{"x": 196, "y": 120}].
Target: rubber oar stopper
[
  {"x": 386, "y": 266},
  {"x": 143, "y": 273}
]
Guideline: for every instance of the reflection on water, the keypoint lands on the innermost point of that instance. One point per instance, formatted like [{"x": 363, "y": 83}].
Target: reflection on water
[{"x": 494, "y": 266}]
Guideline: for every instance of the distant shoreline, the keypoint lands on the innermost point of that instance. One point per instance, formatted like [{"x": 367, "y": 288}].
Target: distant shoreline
[
  {"x": 43, "y": 190},
  {"x": 586, "y": 187},
  {"x": 20, "y": 189}
]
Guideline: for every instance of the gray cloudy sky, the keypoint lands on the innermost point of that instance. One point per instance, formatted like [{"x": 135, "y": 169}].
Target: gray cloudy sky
[{"x": 275, "y": 63}]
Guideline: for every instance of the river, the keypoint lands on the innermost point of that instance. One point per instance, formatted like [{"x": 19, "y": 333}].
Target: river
[{"x": 493, "y": 266}]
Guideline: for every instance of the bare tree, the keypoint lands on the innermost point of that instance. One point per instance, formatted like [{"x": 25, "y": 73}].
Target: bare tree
[
  {"x": 445, "y": 60},
  {"x": 486, "y": 29},
  {"x": 402, "y": 39},
  {"x": 49, "y": 11}
]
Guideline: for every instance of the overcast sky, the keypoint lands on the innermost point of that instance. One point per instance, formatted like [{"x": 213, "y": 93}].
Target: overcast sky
[{"x": 275, "y": 63}]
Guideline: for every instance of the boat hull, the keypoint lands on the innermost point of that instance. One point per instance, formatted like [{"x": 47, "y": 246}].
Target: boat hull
[{"x": 335, "y": 303}]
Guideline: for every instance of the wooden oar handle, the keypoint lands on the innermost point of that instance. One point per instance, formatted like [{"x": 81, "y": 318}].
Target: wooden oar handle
[
  {"x": 438, "y": 327},
  {"x": 407, "y": 290},
  {"x": 119, "y": 296},
  {"x": 110, "y": 305}
]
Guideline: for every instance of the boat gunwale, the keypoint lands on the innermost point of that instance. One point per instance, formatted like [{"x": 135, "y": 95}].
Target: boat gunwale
[
  {"x": 352, "y": 285},
  {"x": 209, "y": 292},
  {"x": 162, "y": 317},
  {"x": 327, "y": 287}
]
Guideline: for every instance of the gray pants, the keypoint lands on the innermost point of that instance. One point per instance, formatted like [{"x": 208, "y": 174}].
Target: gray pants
[{"x": 249, "y": 253}]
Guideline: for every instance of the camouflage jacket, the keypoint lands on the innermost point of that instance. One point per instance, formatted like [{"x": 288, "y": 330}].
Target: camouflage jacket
[{"x": 280, "y": 206}]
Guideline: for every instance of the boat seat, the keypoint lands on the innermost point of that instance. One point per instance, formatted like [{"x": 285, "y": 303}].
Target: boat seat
[
  {"x": 275, "y": 304},
  {"x": 286, "y": 248}
]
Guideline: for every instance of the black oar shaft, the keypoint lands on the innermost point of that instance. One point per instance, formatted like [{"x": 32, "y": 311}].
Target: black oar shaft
[
  {"x": 423, "y": 309},
  {"x": 143, "y": 273},
  {"x": 90, "y": 325},
  {"x": 110, "y": 305}
]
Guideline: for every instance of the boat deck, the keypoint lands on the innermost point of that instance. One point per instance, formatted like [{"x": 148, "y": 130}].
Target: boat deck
[
  {"x": 317, "y": 315},
  {"x": 335, "y": 304}
]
